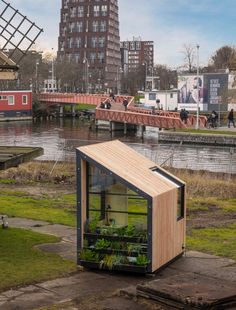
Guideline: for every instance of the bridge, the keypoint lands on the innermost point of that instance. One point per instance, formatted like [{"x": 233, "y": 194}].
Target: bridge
[{"x": 134, "y": 114}]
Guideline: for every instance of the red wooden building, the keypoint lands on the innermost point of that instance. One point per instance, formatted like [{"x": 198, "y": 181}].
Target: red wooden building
[{"x": 15, "y": 105}]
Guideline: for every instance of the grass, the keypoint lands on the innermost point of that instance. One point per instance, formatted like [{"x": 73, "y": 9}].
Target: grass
[
  {"x": 21, "y": 263},
  {"x": 82, "y": 106},
  {"x": 217, "y": 241},
  {"x": 211, "y": 194},
  {"x": 60, "y": 210}
]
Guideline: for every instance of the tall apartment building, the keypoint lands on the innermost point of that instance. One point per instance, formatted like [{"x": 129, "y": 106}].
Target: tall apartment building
[
  {"x": 89, "y": 35},
  {"x": 136, "y": 53}
]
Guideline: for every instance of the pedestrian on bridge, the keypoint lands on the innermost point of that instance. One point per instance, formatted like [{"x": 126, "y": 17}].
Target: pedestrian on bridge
[
  {"x": 231, "y": 118},
  {"x": 125, "y": 103}
]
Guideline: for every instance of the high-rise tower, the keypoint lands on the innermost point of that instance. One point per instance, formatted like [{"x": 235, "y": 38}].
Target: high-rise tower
[{"x": 89, "y": 35}]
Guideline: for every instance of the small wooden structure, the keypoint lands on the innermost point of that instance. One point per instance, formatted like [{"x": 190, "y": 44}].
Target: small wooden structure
[
  {"x": 131, "y": 212},
  {"x": 12, "y": 156}
]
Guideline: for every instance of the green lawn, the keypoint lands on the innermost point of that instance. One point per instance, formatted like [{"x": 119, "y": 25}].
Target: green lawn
[
  {"x": 217, "y": 241},
  {"x": 60, "y": 210},
  {"x": 82, "y": 106},
  {"x": 21, "y": 263}
]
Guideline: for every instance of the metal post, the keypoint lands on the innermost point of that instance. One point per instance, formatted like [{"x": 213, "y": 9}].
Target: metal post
[
  {"x": 36, "y": 77},
  {"x": 85, "y": 61},
  {"x": 52, "y": 72},
  {"x": 197, "y": 124}
]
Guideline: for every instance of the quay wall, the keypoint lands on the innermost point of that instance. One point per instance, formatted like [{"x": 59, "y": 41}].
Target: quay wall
[{"x": 192, "y": 138}]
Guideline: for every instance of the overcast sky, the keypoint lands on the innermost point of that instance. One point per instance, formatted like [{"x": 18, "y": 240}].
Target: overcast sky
[{"x": 169, "y": 23}]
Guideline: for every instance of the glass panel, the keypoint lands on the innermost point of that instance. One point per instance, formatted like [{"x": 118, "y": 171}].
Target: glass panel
[{"x": 116, "y": 229}]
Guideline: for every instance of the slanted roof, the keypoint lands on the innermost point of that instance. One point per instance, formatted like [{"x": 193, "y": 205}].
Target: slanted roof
[{"x": 129, "y": 165}]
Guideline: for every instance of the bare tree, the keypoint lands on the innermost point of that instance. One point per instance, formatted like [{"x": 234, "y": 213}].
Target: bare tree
[
  {"x": 224, "y": 58},
  {"x": 189, "y": 57}
]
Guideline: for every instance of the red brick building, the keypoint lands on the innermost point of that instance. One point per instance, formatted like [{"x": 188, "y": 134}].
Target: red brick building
[
  {"x": 137, "y": 53},
  {"x": 89, "y": 35},
  {"x": 15, "y": 105}
]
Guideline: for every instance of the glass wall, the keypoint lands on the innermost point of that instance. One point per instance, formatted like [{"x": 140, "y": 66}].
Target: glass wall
[
  {"x": 115, "y": 235},
  {"x": 114, "y": 204}
]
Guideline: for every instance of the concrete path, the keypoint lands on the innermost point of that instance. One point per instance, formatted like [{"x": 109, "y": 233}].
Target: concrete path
[{"x": 87, "y": 290}]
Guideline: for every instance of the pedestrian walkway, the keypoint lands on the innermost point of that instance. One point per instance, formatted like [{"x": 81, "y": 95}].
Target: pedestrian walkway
[{"x": 104, "y": 290}]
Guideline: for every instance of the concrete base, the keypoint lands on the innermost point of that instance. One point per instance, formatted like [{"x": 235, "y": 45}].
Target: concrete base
[{"x": 21, "y": 118}]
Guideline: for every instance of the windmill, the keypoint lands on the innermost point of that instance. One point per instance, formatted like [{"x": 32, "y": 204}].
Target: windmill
[{"x": 17, "y": 35}]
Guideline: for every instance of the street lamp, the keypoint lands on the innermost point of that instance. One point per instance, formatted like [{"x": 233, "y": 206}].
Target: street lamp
[
  {"x": 197, "y": 124},
  {"x": 146, "y": 72},
  {"x": 36, "y": 77},
  {"x": 119, "y": 71},
  {"x": 86, "y": 76}
]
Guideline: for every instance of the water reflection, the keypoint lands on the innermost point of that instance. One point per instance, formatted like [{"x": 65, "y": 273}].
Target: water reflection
[{"x": 59, "y": 138}]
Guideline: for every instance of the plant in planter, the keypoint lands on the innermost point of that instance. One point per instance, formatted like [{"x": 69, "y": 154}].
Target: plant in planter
[
  {"x": 102, "y": 244},
  {"x": 108, "y": 261},
  {"x": 142, "y": 260},
  {"x": 89, "y": 255}
]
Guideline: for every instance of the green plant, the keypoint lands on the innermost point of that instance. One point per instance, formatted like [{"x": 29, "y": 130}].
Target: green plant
[
  {"x": 102, "y": 244},
  {"x": 91, "y": 226},
  {"x": 108, "y": 261},
  {"x": 134, "y": 248},
  {"x": 142, "y": 260},
  {"x": 88, "y": 255}
]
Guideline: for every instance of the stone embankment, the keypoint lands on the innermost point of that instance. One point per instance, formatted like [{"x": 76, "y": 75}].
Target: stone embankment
[{"x": 192, "y": 138}]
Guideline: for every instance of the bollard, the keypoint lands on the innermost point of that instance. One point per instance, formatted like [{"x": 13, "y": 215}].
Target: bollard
[{"x": 4, "y": 222}]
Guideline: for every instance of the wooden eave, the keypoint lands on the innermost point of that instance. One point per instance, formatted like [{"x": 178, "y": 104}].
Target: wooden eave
[{"x": 129, "y": 165}]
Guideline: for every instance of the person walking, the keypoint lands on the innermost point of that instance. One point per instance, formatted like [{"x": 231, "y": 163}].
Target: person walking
[{"x": 231, "y": 118}]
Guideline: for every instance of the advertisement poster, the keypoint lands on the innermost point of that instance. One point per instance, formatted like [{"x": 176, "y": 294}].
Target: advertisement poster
[
  {"x": 187, "y": 86},
  {"x": 232, "y": 81},
  {"x": 217, "y": 88}
]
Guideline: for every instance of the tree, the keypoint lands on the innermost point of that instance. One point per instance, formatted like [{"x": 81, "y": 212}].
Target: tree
[
  {"x": 167, "y": 77},
  {"x": 189, "y": 57},
  {"x": 224, "y": 58}
]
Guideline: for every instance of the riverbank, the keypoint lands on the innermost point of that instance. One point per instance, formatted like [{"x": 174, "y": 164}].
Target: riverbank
[
  {"x": 45, "y": 191},
  {"x": 216, "y": 137}
]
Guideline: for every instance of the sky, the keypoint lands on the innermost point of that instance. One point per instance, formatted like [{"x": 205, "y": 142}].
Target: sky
[{"x": 170, "y": 24}]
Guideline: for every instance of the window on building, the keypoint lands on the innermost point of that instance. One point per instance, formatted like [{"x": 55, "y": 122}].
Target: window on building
[
  {"x": 79, "y": 26},
  {"x": 80, "y": 11},
  {"x": 96, "y": 10},
  {"x": 103, "y": 26},
  {"x": 92, "y": 57},
  {"x": 171, "y": 95},
  {"x": 104, "y": 10},
  {"x": 78, "y": 42},
  {"x": 24, "y": 99},
  {"x": 11, "y": 100},
  {"x": 152, "y": 96},
  {"x": 95, "y": 26},
  {"x": 94, "y": 41},
  {"x": 101, "y": 41}
]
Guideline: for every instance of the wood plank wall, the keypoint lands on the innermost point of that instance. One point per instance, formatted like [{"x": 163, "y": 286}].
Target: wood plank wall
[{"x": 168, "y": 234}]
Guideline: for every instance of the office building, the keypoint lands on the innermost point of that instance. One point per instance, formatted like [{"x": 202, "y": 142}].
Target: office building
[
  {"x": 137, "y": 53},
  {"x": 89, "y": 36}
]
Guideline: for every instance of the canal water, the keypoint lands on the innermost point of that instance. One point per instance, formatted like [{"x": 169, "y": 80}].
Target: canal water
[{"x": 59, "y": 138}]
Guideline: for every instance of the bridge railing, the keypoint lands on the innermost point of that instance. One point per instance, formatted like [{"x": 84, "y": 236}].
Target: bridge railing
[{"x": 139, "y": 119}]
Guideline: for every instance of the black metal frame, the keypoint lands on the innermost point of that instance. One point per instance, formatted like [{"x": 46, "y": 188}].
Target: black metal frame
[
  {"x": 81, "y": 156},
  {"x": 17, "y": 53}
]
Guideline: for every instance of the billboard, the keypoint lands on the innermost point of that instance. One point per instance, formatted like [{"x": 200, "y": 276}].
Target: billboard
[
  {"x": 216, "y": 88},
  {"x": 187, "y": 86},
  {"x": 232, "y": 81}
]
